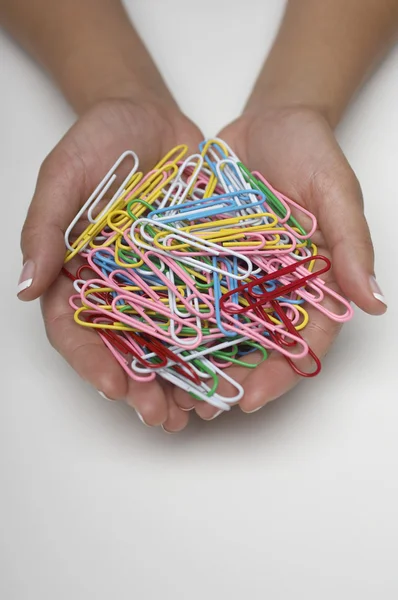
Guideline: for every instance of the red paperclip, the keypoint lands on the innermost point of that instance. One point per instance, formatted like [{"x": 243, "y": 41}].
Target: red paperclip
[
  {"x": 277, "y": 337},
  {"x": 68, "y": 274},
  {"x": 163, "y": 353},
  {"x": 180, "y": 368},
  {"x": 266, "y": 297},
  {"x": 111, "y": 336},
  {"x": 102, "y": 295},
  {"x": 291, "y": 328}
]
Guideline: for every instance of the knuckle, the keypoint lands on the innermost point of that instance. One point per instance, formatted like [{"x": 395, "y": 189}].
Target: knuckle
[
  {"x": 323, "y": 334},
  {"x": 29, "y": 232},
  {"x": 365, "y": 245},
  {"x": 62, "y": 166},
  {"x": 46, "y": 166},
  {"x": 112, "y": 386},
  {"x": 337, "y": 181}
]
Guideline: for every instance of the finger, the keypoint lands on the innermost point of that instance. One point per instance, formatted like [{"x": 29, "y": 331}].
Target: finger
[
  {"x": 177, "y": 419},
  {"x": 84, "y": 350},
  {"x": 149, "y": 401},
  {"x": 56, "y": 200},
  {"x": 66, "y": 179},
  {"x": 337, "y": 201},
  {"x": 206, "y": 411},
  {"x": 239, "y": 374},
  {"x": 81, "y": 347},
  {"x": 184, "y": 400},
  {"x": 186, "y": 403}
]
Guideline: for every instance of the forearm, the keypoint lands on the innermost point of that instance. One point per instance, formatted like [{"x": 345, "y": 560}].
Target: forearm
[
  {"x": 89, "y": 46},
  {"x": 323, "y": 52}
]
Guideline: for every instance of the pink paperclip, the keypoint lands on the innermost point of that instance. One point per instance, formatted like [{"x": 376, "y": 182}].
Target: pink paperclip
[
  {"x": 243, "y": 329},
  {"x": 134, "y": 277},
  {"x": 273, "y": 264},
  {"x": 180, "y": 273},
  {"x": 320, "y": 286},
  {"x": 140, "y": 303},
  {"x": 262, "y": 250},
  {"x": 124, "y": 363},
  {"x": 286, "y": 201}
]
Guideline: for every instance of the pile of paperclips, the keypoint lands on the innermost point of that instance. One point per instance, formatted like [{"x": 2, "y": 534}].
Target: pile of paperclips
[{"x": 192, "y": 266}]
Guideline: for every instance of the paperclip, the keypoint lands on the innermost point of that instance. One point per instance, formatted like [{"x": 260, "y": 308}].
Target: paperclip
[
  {"x": 267, "y": 296},
  {"x": 202, "y": 245},
  {"x": 202, "y": 392},
  {"x": 193, "y": 265},
  {"x": 93, "y": 202}
]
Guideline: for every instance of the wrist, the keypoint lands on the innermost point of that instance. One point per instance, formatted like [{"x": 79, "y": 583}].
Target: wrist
[
  {"x": 88, "y": 77},
  {"x": 323, "y": 53},
  {"x": 276, "y": 98},
  {"x": 94, "y": 59}
]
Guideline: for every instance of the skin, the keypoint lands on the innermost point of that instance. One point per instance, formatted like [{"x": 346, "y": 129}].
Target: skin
[{"x": 322, "y": 54}]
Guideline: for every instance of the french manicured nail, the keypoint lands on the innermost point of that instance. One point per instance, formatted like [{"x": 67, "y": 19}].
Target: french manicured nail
[
  {"x": 187, "y": 409},
  {"x": 169, "y": 432},
  {"x": 377, "y": 293},
  {"x": 103, "y": 396},
  {"x": 218, "y": 413},
  {"x": 250, "y": 412},
  {"x": 26, "y": 277},
  {"x": 141, "y": 418}
]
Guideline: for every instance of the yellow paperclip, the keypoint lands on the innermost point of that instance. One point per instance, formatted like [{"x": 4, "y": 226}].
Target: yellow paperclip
[{"x": 180, "y": 152}]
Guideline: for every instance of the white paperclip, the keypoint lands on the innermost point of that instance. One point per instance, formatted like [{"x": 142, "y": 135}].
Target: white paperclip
[
  {"x": 202, "y": 245},
  {"x": 183, "y": 188},
  {"x": 99, "y": 193},
  {"x": 189, "y": 355},
  {"x": 216, "y": 400}
]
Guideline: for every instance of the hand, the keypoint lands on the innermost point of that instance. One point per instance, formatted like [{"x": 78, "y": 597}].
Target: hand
[
  {"x": 67, "y": 178},
  {"x": 297, "y": 152},
  {"x": 295, "y": 149}
]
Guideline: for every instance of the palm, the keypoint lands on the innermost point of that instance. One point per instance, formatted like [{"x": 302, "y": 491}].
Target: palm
[
  {"x": 79, "y": 163},
  {"x": 296, "y": 151}
]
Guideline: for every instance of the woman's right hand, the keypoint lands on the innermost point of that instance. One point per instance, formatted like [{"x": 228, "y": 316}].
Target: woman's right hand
[{"x": 67, "y": 177}]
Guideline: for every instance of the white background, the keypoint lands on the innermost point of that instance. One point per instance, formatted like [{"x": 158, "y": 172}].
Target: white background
[{"x": 296, "y": 501}]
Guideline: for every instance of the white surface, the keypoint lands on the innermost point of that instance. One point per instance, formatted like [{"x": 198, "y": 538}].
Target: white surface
[{"x": 296, "y": 501}]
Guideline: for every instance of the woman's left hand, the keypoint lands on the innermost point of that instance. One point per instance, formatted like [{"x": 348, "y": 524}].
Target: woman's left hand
[{"x": 297, "y": 152}]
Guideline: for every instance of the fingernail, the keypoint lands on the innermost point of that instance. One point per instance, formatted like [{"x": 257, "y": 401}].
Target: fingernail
[
  {"x": 187, "y": 409},
  {"x": 103, "y": 396},
  {"x": 218, "y": 413},
  {"x": 169, "y": 432},
  {"x": 250, "y": 412},
  {"x": 141, "y": 418},
  {"x": 26, "y": 277},
  {"x": 377, "y": 293}
]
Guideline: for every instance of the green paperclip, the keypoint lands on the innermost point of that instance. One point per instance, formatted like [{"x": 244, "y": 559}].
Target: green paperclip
[
  {"x": 236, "y": 361},
  {"x": 273, "y": 201},
  {"x": 128, "y": 256},
  {"x": 204, "y": 369},
  {"x": 136, "y": 201}
]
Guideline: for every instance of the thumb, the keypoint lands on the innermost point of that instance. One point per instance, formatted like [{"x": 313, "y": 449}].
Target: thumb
[
  {"x": 341, "y": 219},
  {"x": 56, "y": 200}
]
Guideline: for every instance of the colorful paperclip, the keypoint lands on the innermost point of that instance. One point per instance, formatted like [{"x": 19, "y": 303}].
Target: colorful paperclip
[{"x": 190, "y": 267}]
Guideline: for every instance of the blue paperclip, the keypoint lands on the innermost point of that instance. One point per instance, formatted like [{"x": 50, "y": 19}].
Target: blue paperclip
[
  {"x": 290, "y": 301},
  {"x": 217, "y": 290},
  {"x": 229, "y": 199},
  {"x": 207, "y": 157}
]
